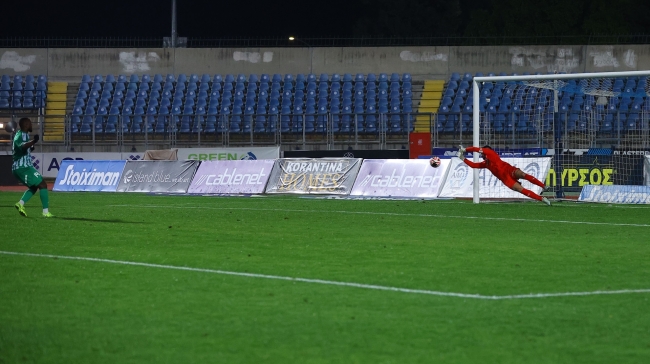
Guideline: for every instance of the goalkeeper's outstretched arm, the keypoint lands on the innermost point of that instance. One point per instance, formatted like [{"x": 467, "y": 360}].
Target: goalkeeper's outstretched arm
[
  {"x": 461, "y": 155},
  {"x": 475, "y": 165}
]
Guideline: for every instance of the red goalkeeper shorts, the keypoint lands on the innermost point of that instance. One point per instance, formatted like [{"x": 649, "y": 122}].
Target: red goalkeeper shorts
[{"x": 507, "y": 175}]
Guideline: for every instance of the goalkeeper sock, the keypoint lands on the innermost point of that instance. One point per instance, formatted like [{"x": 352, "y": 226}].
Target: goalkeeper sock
[
  {"x": 26, "y": 196},
  {"x": 534, "y": 180},
  {"x": 45, "y": 199},
  {"x": 531, "y": 194}
]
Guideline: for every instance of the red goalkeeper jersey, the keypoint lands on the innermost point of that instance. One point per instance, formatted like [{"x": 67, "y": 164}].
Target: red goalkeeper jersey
[{"x": 500, "y": 169}]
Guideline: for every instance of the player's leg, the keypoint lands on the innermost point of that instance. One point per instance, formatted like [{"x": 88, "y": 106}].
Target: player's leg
[
  {"x": 45, "y": 199},
  {"x": 521, "y": 174},
  {"x": 20, "y": 205},
  {"x": 35, "y": 181},
  {"x": 22, "y": 175},
  {"x": 516, "y": 186}
]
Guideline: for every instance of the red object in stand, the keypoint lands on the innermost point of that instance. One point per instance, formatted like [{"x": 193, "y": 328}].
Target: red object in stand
[{"x": 419, "y": 144}]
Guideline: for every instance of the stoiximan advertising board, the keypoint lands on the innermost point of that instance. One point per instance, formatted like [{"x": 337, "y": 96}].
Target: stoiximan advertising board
[{"x": 97, "y": 176}]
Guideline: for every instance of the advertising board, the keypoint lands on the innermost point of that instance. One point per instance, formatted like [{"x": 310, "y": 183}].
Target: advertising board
[
  {"x": 399, "y": 177},
  {"x": 459, "y": 181},
  {"x": 157, "y": 176},
  {"x": 616, "y": 194},
  {"x": 223, "y": 154},
  {"x": 334, "y": 176},
  {"x": 95, "y": 176},
  {"x": 232, "y": 177}
]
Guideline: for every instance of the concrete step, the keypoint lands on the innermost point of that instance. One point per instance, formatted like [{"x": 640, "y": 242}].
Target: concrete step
[
  {"x": 56, "y": 97},
  {"x": 73, "y": 89},
  {"x": 429, "y": 102},
  {"x": 428, "y": 109},
  {"x": 55, "y": 105},
  {"x": 53, "y": 138},
  {"x": 57, "y": 87},
  {"x": 431, "y": 95},
  {"x": 434, "y": 85}
]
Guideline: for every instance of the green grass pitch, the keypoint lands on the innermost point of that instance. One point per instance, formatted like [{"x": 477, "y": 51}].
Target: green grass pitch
[{"x": 56, "y": 310}]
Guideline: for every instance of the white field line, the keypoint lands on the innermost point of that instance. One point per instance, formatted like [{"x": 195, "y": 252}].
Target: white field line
[
  {"x": 336, "y": 283},
  {"x": 387, "y": 214},
  {"x": 566, "y": 203}
]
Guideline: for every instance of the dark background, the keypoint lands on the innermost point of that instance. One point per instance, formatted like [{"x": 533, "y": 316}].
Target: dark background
[{"x": 332, "y": 18}]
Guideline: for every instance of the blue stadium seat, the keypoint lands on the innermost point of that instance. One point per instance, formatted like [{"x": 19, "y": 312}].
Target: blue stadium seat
[
  {"x": 346, "y": 120},
  {"x": 632, "y": 121},
  {"x": 168, "y": 86}
]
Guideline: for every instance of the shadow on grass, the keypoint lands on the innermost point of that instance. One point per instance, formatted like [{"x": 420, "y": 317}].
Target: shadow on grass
[{"x": 113, "y": 221}]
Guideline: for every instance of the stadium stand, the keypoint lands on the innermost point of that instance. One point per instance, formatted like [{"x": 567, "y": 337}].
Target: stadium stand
[
  {"x": 311, "y": 104},
  {"x": 511, "y": 106},
  {"x": 35, "y": 94},
  {"x": 23, "y": 93},
  {"x": 240, "y": 103}
]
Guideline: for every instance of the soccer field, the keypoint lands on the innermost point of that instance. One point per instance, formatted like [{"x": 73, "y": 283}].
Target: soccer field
[{"x": 183, "y": 279}]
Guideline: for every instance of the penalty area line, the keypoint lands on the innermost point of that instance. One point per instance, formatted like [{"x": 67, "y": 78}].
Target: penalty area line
[
  {"x": 333, "y": 283},
  {"x": 387, "y": 214}
]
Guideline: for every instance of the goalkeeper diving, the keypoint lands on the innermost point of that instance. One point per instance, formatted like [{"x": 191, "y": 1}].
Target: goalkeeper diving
[{"x": 505, "y": 172}]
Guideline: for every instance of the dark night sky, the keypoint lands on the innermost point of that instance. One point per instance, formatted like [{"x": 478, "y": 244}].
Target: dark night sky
[
  {"x": 197, "y": 18},
  {"x": 325, "y": 18}
]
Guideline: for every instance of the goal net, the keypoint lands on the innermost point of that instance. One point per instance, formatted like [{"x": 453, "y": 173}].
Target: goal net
[{"x": 569, "y": 130}]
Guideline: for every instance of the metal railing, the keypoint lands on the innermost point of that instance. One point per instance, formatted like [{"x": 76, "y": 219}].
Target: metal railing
[
  {"x": 578, "y": 129},
  {"x": 242, "y": 129},
  {"x": 377, "y": 130},
  {"x": 236, "y": 42}
]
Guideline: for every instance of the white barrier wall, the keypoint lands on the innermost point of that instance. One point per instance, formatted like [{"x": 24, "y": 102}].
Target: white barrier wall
[{"x": 421, "y": 62}]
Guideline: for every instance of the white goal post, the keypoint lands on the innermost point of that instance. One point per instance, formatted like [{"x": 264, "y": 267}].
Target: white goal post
[{"x": 562, "y": 112}]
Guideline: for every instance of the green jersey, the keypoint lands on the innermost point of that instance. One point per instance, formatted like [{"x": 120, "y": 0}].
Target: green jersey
[{"x": 22, "y": 157}]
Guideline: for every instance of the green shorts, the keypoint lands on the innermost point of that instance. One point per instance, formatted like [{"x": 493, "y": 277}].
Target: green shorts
[{"x": 28, "y": 176}]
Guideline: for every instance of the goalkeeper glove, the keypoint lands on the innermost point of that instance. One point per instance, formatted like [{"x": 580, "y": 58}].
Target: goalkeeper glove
[
  {"x": 461, "y": 152},
  {"x": 36, "y": 138}
]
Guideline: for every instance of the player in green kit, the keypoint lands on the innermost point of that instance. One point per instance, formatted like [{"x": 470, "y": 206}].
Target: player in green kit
[{"x": 24, "y": 170}]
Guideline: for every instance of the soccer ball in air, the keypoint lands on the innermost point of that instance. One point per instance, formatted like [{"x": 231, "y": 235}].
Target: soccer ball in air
[{"x": 435, "y": 162}]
